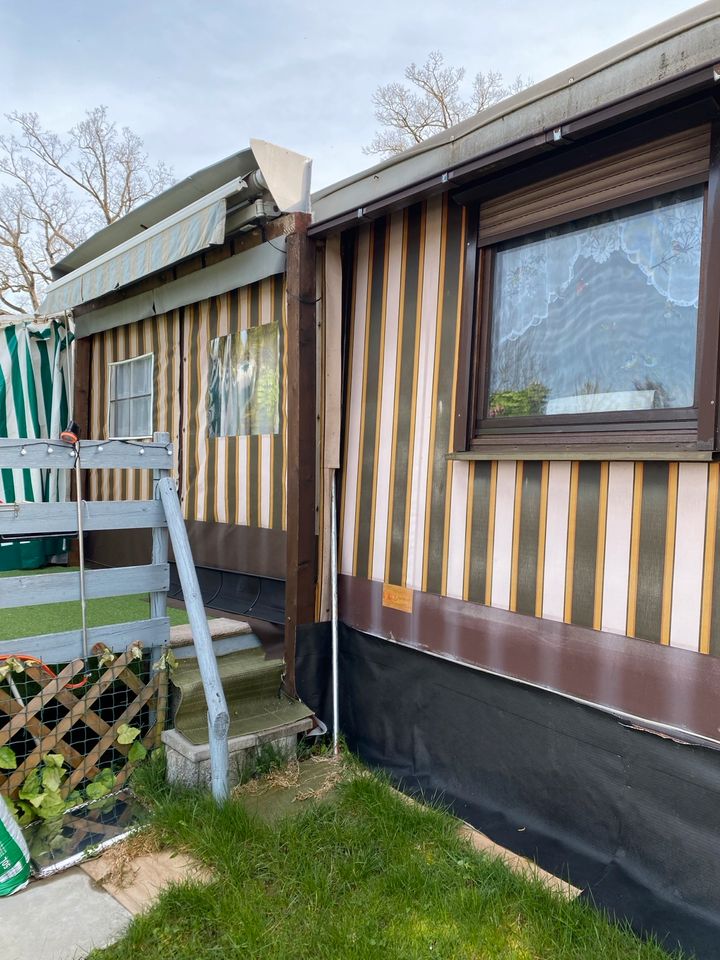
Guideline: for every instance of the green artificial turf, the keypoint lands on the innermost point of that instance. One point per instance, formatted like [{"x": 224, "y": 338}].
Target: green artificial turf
[
  {"x": 362, "y": 875},
  {"x": 56, "y": 617}
]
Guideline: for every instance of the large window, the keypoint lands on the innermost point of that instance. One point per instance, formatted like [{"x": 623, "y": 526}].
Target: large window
[
  {"x": 590, "y": 314},
  {"x": 598, "y": 315},
  {"x": 130, "y": 398}
]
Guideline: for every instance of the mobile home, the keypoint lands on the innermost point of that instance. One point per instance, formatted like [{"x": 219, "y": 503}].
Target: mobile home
[
  {"x": 529, "y": 567},
  {"x": 503, "y": 347}
]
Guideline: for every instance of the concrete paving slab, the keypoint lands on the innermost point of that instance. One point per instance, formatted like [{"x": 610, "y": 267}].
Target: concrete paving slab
[{"x": 61, "y": 918}]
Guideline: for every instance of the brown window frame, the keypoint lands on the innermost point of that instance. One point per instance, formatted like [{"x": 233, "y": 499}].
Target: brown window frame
[{"x": 678, "y": 432}]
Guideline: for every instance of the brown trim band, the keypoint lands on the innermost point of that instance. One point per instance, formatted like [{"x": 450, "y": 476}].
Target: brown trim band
[
  {"x": 255, "y": 551},
  {"x": 227, "y": 546},
  {"x": 657, "y": 685}
]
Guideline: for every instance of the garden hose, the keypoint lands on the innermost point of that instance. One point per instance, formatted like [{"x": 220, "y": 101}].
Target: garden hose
[{"x": 41, "y": 663}]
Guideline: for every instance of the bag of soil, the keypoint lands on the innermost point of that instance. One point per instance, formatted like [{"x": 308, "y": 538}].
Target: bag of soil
[{"x": 14, "y": 854}]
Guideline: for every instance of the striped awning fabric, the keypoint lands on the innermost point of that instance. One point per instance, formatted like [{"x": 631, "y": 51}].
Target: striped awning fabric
[
  {"x": 195, "y": 228},
  {"x": 35, "y": 391}
]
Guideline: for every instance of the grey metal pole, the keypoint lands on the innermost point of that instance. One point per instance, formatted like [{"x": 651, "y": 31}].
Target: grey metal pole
[
  {"x": 218, "y": 716},
  {"x": 334, "y": 613}
]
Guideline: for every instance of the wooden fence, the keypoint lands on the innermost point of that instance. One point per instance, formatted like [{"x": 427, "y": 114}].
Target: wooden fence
[{"x": 102, "y": 713}]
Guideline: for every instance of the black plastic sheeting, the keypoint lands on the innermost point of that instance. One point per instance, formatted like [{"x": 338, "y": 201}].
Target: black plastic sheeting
[
  {"x": 630, "y": 817},
  {"x": 241, "y": 594}
]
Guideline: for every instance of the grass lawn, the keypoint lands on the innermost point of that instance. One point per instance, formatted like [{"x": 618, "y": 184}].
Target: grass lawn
[
  {"x": 56, "y": 617},
  {"x": 362, "y": 875}
]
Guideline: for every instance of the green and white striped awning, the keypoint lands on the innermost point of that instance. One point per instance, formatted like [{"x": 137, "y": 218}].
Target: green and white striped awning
[
  {"x": 192, "y": 229},
  {"x": 35, "y": 392}
]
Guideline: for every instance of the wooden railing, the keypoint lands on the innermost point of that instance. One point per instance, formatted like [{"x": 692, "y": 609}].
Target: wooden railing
[{"x": 46, "y": 714}]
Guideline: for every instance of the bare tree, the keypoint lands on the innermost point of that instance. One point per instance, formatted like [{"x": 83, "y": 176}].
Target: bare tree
[
  {"x": 431, "y": 101},
  {"x": 56, "y": 190}
]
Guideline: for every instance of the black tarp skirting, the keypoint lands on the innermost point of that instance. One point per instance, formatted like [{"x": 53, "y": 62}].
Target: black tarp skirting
[{"x": 631, "y": 817}]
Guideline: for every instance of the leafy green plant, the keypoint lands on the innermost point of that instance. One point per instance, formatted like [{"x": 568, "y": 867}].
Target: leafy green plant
[
  {"x": 519, "y": 403},
  {"x": 128, "y": 734},
  {"x": 8, "y": 760},
  {"x": 41, "y": 796},
  {"x": 101, "y": 785}
]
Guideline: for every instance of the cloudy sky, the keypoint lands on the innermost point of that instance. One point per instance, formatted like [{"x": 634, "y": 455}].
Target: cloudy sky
[{"x": 197, "y": 79}]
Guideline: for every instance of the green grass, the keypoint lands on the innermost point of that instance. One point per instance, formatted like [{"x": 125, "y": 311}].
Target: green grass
[
  {"x": 56, "y": 617},
  {"x": 362, "y": 876}
]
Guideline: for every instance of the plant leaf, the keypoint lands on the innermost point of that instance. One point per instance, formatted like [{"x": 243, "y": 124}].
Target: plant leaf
[
  {"x": 31, "y": 786},
  {"x": 8, "y": 760},
  {"x": 52, "y": 778},
  {"x": 126, "y": 734},
  {"x": 137, "y": 752},
  {"x": 52, "y": 805},
  {"x": 54, "y": 760},
  {"x": 101, "y": 785},
  {"x": 24, "y": 812}
]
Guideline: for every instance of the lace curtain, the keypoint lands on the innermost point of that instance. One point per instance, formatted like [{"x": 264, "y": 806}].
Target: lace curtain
[{"x": 662, "y": 240}]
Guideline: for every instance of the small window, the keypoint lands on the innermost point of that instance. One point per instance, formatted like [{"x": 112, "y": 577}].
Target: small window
[
  {"x": 599, "y": 315},
  {"x": 130, "y": 400},
  {"x": 244, "y": 388}
]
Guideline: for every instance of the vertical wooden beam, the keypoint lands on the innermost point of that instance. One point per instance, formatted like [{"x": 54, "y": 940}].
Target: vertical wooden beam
[
  {"x": 301, "y": 439},
  {"x": 81, "y": 415},
  {"x": 81, "y": 394}
]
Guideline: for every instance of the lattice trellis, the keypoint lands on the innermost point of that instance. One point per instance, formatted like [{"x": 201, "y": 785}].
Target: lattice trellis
[{"x": 42, "y": 714}]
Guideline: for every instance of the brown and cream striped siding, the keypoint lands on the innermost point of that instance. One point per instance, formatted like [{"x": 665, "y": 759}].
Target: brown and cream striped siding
[
  {"x": 159, "y": 336},
  {"x": 628, "y": 548},
  {"x": 233, "y": 480}
]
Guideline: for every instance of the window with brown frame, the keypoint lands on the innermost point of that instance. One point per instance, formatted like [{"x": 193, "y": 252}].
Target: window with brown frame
[{"x": 596, "y": 314}]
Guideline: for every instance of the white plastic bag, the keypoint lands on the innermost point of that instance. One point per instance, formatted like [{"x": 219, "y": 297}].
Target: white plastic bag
[{"x": 14, "y": 854}]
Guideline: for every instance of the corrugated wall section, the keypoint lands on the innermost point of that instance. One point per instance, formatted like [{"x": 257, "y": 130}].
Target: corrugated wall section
[
  {"x": 622, "y": 547},
  {"x": 237, "y": 480}
]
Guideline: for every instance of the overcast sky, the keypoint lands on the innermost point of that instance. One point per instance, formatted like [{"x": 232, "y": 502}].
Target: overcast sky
[{"x": 197, "y": 79}]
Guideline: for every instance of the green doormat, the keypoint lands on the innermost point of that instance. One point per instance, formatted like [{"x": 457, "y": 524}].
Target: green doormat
[{"x": 252, "y": 689}]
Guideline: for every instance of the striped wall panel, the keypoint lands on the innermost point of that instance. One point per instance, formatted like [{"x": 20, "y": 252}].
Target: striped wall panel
[
  {"x": 621, "y": 547},
  {"x": 235, "y": 480},
  {"x": 159, "y": 336}
]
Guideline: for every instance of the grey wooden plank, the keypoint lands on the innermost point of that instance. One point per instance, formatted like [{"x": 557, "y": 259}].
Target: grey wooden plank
[
  {"x": 218, "y": 716},
  {"x": 56, "y": 648},
  {"x": 24, "y": 519},
  {"x": 94, "y": 454},
  {"x": 27, "y": 591}
]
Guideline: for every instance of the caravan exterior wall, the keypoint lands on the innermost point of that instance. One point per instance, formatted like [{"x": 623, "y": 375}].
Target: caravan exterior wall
[
  {"x": 232, "y": 487},
  {"x": 519, "y": 623},
  {"x": 626, "y": 548}
]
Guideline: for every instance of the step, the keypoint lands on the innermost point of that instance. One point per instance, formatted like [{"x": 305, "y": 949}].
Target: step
[
  {"x": 188, "y": 764},
  {"x": 228, "y": 636},
  {"x": 252, "y": 687}
]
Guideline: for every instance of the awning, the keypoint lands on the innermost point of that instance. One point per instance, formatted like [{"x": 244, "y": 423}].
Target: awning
[{"x": 194, "y": 228}]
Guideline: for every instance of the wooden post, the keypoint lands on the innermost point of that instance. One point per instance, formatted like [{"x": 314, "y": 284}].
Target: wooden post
[
  {"x": 158, "y": 598},
  {"x": 81, "y": 415},
  {"x": 301, "y": 440}
]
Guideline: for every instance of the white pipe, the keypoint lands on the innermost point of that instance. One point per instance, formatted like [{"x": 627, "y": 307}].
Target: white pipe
[{"x": 334, "y": 612}]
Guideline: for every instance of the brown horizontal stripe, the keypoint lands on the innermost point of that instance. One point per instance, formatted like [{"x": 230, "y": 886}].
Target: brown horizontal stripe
[{"x": 663, "y": 685}]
